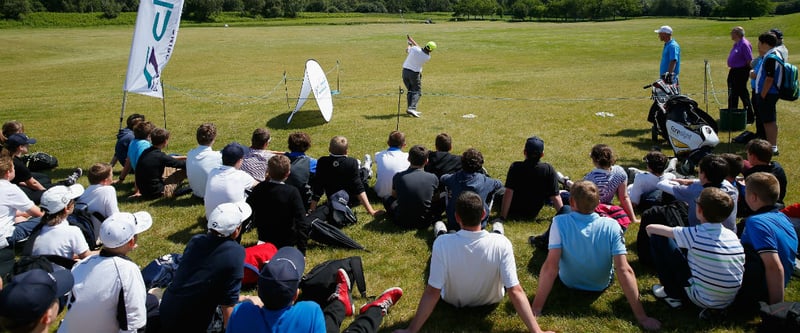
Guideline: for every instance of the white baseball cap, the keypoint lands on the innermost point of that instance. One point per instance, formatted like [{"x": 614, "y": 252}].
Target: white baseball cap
[
  {"x": 228, "y": 216},
  {"x": 56, "y": 198},
  {"x": 120, "y": 228},
  {"x": 665, "y": 29}
]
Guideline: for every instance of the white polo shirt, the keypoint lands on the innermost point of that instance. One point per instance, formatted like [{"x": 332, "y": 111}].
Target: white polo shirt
[
  {"x": 472, "y": 268},
  {"x": 12, "y": 199},
  {"x": 61, "y": 239},
  {"x": 101, "y": 199},
  {"x": 199, "y": 162},
  {"x": 95, "y": 295},
  {"x": 389, "y": 162},
  {"x": 415, "y": 59},
  {"x": 226, "y": 184}
]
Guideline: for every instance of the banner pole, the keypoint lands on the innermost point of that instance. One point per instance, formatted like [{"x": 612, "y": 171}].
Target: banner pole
[
  {"x": 164, "y": 103},
  {"x": 122, "y": 112},
  {"x": 286, "y": 90},
  {"x": 705, "y": 83},
  {"x": 338, "y": 70},
  {"x": 399, "y": 98}
]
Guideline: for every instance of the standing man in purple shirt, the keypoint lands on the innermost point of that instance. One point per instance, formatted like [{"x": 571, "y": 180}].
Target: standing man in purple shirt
[{"x": 739, "y": 63}]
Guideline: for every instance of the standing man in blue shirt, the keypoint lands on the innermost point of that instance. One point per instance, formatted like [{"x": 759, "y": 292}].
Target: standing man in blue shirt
[{"x": 670, "y": 56}]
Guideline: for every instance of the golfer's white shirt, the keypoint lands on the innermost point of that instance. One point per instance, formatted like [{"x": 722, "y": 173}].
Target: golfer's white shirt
[{"x": 415, "y": 59}]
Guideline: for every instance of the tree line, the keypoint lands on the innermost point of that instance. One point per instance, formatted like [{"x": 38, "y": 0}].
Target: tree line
[{"x": 205, "y": 10}]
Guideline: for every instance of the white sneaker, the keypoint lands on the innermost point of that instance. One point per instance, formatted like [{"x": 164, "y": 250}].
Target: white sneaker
[
  {"x": 497, "y": 228},
  {"x": 414, "y": 113},
  {"x": 660, "y": 293},
  {"x": 439, "y": 228},
  {"x": 367, "y": 164},
  {"x": 673, "y": 163}
]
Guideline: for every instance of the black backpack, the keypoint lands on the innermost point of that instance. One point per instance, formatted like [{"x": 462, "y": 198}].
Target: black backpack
[
  {"x": 39, "y": 161},
  {"x": 82, "y": 219},
  {"x": 319, "y": 283},
  {"x": 673, "y": 214},
  {"x": 300, "y": 177}
]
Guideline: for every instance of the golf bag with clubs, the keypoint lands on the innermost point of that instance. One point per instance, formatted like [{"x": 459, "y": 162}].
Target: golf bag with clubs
[{"x": 690, "y": 131}]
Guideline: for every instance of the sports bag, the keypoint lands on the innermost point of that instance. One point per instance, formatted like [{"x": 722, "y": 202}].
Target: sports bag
[
  {"x": 159, "y": 272},
  {"x": 40, "y": 161},
  {"x": 779, "y": 317},
  {"x": 256, "y": 256},
  {"x": 614, "y": 212},
  {"x": 673, "y": 214},
  {"x": 82, "y": 219},
  {"x": 319, "y": 283},
  {"x": 788, "y": 85}
]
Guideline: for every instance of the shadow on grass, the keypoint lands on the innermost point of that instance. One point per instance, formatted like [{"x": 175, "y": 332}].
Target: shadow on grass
[
  {"x": 182, "y": 201},
  {"x": 382, "y": 116},
  {"x": 182, "y": 236},
  {"x": 301, "y": 119},
  {"x": 446, "y": 315},
  {"x": 536, "y": 261}
]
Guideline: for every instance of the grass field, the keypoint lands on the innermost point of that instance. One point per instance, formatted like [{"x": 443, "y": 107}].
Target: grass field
[{"x": 518, "y": 79}]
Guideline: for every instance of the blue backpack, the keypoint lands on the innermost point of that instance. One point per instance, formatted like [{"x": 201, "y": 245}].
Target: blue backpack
[{"x": 788, "y": 85}]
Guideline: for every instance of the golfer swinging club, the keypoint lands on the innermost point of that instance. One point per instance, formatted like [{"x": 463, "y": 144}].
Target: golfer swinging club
[{"x": 412, "y": 72}]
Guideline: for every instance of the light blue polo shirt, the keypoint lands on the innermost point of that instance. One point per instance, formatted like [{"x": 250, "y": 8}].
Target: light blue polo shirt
[
  {"x": 588, "y": 244},
  {"x": 671, "y": 51}
]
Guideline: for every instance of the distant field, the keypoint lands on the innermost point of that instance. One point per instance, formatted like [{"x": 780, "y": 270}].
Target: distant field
[{"x": 518, "y": 79}]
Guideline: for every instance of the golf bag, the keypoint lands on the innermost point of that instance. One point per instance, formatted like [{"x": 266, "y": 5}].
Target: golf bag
[{"x": 690, "y": 131}]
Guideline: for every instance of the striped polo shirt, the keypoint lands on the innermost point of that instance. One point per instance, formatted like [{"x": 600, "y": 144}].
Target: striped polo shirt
[{"x": 716, "y": 261}]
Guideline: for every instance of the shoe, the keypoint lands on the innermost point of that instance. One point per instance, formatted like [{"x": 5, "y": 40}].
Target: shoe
[
  {"x": 439, "y": 228},
  {"x": 796, "y": 268},
  {"x": 368, "y": 165},
  {"x": 711, "y": 314},
  {"x": 73, "y": 178},
  {"x": 388, "y": 298},
  {"x": 414, "y": 113},
  {"x": 497, "y": 227},
  {"x": 563, "y": 180},
  {"x": 659, "y": 292},
  {"x": 775, "y": 153},
  {"x": 671, "y": 165},
  {"x": 342, "y": 292}
]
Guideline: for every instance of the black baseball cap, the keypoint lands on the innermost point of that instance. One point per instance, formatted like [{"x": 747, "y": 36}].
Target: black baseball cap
[{"x": 279, "y": 279}]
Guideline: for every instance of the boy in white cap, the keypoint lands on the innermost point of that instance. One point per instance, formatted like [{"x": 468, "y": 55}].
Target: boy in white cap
[
  {"x": 57, "y": 237},
  {"x": 103, "y": 281},
  {"x": 29, "y": 303},
  {"x": 210, "y": 273},
  {"x": 278, "y": 284}
]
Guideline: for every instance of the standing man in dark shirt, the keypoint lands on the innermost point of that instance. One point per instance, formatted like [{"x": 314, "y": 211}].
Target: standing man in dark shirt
[
  {"x": 278, "y": 211},
  {"x": 210, "y": 273},
  {"x": 412, "y": 191},
  {"x": 158, "y": 174},
  {"x": 338, "y": 172},
  {"x": 739, "y": 63},
  {"x": 530, "y": 184}
]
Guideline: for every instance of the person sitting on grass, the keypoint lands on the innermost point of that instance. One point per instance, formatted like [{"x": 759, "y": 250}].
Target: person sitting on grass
[
  {"x": 124, "y": 138},
  {"x": 409, "y": 206},
  {"x": 100, "y": 197},
  {"x": 228, "y": 183},
  {"x": 759, "y": 159},
  {"x": 586, "y": 251},
  {"x": 202, "y": 159},
  {"x": 278, "y": 212},
  {"x": 389, "y": 162},
  {"x": 29, "y": 303},
  {"x": 303, "y": 167},
  {"x": 710, "y": 273},
  {"x": 141, "y": 141},
  {"x": 255, "y": 162},
  {"x": 610, "y": 179},
  {"x": 442, "y": 162},
  {"x": 472, "y": 267},
  {"x": 338, "y": 172},
  {"x": 57, "y": 236},
  {"x": 32, "y": 183},
  {"x": 157, "y": 173},
  {"x": 644, "y": 191},
  {"x": 530, "y": 184},
  {"x": 770, "y": 243},
  {"x": 276, "y": 309},
  {"x": 470, "y": 178},
  {"x": 15, "y": 210},
  {"x": 712, "y": 172}
]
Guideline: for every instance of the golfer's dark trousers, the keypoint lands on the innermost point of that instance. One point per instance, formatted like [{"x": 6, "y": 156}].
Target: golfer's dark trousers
[
  {"x": 737, "y": 89},
  {"x": 671, "y": 265},
  {"x": 413, "y": 82},
  {"x": 367, "y": 322}
]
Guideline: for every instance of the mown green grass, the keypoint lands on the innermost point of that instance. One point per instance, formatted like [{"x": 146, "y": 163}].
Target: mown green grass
[{"x": 519, "y": 79}]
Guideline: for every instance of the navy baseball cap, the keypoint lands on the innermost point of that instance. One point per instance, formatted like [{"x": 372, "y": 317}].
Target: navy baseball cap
[
  {"x": 280, "y": 278},
  {"x": 233, "y": 152},
  {"x": 26, "y": 298},
  {"x": 19, "y": 139},
  {"x": 534, "y": 146}
]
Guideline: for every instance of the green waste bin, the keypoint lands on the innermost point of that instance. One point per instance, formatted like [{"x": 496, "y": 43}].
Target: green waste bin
[{"x": 732, "y": 119}]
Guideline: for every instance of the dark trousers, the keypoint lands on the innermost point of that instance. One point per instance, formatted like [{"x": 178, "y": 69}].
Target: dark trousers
[
  {"x": 754, "y": 286},
  {"x": 413, "y": 82},
  {"x": 737, "y": 89},
  {"x": 671, "y": 265},
  {"x": 366, "y": 322}
]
